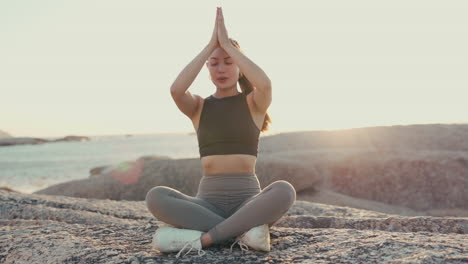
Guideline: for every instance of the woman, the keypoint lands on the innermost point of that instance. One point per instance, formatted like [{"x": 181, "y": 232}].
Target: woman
[{"x": 229, "y": 201}]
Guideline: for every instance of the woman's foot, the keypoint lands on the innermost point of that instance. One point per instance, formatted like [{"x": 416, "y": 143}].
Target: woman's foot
[
  {"x": 170, "y": 239},
  {"x": 257, "y": 238}
]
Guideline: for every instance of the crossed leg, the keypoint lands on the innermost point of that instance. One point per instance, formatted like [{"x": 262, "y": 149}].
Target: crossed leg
[
  {"x": 184, "y": 211},
  {"x": 266, "y": 207}
]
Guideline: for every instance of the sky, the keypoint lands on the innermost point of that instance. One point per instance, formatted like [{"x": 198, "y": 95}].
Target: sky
[{"x": 105, "y": 67}]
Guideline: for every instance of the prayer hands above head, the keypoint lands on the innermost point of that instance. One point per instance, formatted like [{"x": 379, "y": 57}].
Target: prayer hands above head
[
  {"x": 223, "y": 38},
  {"x": 214, "y": 37},
  {"x": 219, "y": 37}
]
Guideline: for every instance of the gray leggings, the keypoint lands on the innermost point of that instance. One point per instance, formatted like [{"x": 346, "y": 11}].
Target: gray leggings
[{"x": 226, "y": 205}]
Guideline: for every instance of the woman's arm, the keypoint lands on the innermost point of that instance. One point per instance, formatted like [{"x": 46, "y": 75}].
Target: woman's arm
[
  {"x": 262, "y": 94},
  {"x": 255, "y": 74},
  {"x": 185, "y": 101},
  {"x": 190, "y": 72}
]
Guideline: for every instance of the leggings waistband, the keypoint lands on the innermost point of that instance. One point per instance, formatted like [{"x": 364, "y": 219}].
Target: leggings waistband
[
  {"x": 222, "y": 184},
  {"x": 235, "y": 174}
]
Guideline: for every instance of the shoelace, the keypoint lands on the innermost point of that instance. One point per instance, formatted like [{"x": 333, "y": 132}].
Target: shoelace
[
  {"x": 192, "y": 244},
  {"x": 241, "y": 244}
]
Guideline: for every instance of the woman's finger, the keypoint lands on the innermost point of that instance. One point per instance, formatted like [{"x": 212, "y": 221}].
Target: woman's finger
[
  {"x": 220, "y": 14},
  {"x": 222, "y": 31},
  {"x": 221, "y": 19}
]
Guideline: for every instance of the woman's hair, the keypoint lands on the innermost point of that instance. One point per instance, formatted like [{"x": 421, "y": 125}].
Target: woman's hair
[{"x": 247, "y": 87}]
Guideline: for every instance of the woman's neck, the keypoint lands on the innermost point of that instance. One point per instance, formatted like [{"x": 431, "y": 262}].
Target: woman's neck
[{"x": 220, "y": 93}]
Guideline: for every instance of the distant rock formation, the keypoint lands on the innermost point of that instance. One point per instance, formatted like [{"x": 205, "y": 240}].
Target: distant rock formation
[
  {"x": 4, "y": 134},
  {"x": 22, "y": 141},
  {"x": 59, "y": 229},
  {"x": 72, "y": 138},
  {"x": 33, "y": 141}
]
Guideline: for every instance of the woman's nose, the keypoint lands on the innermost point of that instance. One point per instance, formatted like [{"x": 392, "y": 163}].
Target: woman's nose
[{"x": 220, "y": 67}]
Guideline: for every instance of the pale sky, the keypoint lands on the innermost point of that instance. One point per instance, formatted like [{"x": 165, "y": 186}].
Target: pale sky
[{"x": 95, "y": 67}]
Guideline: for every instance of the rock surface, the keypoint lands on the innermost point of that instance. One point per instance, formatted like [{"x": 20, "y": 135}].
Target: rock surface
[{"x": 60, "y": 229}]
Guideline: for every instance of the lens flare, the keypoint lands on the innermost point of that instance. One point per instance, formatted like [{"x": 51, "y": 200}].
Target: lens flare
[{"x": 127, "y": 172}]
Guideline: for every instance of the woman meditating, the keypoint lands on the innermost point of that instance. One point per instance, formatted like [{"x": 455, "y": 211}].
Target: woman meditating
[{"x": 229, "y": 202}]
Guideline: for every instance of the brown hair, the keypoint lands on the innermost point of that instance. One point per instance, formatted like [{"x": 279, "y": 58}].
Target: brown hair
[{"x": 247, "y": 87}]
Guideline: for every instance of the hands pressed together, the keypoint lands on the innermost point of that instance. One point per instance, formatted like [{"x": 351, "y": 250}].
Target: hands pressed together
[{"x": 220, "y": 37}]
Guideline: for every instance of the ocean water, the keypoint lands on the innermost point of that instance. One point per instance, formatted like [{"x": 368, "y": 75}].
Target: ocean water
[{"x": 28, "y": 168}]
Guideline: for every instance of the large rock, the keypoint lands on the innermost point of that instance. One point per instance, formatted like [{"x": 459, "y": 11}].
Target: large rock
[
  {"x": 438, "y": 137},
  {"x": 59, "y": 229},
  {"x": 133, "y": 179},
  {"x": 423, "y": 181}
]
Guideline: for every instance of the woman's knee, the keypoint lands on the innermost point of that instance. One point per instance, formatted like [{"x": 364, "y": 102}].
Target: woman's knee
[
  {"x": 156, "y": 196},
  {"x": 285, "y": 191}
]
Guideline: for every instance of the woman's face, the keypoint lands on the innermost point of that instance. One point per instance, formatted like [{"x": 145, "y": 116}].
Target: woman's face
[{"x": 223, "y": 71}]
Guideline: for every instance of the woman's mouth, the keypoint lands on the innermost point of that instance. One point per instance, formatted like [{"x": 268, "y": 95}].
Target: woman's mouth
[{"x": 222, "y": 79}]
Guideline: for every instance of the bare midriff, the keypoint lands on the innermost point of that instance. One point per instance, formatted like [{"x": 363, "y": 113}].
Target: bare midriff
[{"x": 231, "y": 163}]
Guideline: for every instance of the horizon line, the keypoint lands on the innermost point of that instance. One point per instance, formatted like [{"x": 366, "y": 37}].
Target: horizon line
[{"x": 267, "y": 133}]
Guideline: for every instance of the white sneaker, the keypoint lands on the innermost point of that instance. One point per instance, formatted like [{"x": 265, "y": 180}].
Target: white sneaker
[
  {"x": 257, "y": 238},
  {"x": 171, "y": 239}
]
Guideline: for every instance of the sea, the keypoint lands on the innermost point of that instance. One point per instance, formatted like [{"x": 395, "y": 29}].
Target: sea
[{"x": 28, "y": 168}]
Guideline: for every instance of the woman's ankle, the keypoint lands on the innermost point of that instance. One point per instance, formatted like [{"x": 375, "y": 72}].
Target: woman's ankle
[{"x": 206, "y": 240}]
